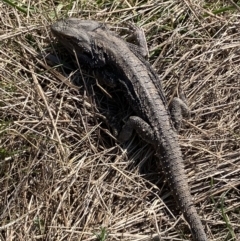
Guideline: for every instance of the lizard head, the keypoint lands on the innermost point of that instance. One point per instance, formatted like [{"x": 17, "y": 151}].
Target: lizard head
[{"x": 76, "y": 36}]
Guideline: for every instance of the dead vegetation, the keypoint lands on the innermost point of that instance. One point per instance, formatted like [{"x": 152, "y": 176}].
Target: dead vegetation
[{"x": 64, "y": 177}]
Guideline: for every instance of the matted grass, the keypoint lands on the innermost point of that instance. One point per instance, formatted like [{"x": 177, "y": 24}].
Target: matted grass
[{"x": 63, "y": 176}]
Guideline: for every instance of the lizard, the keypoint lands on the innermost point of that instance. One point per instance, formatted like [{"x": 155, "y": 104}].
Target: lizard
[{"x": 123, "y": 66}]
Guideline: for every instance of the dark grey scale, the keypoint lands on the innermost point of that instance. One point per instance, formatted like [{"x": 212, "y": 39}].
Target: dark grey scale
[{"x": 137, "y": 79}]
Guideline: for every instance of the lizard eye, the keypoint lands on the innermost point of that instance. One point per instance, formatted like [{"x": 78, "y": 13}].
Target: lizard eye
[{"x": 85, "y": 48}]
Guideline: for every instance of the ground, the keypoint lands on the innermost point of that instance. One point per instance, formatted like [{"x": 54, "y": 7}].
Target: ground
[{"x": 63, "y": 175}]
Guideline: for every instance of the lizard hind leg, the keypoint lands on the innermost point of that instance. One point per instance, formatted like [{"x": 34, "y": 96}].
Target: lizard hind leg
[
  {"x": 179, "y": 108},
  {"x": 142, "y": 128}
]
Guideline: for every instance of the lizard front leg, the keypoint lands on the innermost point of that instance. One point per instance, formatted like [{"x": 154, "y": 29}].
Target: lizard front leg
[{"x": 137, "y": 41}]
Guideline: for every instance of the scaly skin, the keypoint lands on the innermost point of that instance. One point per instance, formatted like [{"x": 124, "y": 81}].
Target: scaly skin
[{"x": 98, "y": 47}]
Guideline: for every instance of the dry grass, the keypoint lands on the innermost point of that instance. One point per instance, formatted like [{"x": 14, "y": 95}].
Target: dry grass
[{"x": 62, "y": 174}]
